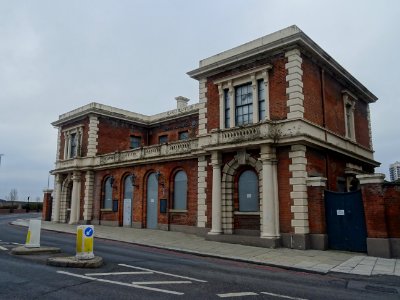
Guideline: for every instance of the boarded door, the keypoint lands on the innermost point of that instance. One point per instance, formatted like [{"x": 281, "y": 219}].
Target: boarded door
[
  {"x": 128, "y": 196},
  {"x": 152, "y": 201},
  {"x": 345, "y": 221}
]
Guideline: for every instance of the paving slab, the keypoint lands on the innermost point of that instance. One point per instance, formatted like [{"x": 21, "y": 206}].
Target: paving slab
[{"x": 73, "y": 262}]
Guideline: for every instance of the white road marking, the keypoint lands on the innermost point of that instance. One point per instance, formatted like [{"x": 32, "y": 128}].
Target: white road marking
[
  {"x": 240, "y": 294},
  {"x": 283, "y": 296},
  {"x": 121, "y": 283},
  {"x": 16, "y": 243},
  {"x": 117, "y": 273},
  {"x": 3, "y": 248},
  {"x": 160, "y": 282},
  {"x": 163, "y": 273}
]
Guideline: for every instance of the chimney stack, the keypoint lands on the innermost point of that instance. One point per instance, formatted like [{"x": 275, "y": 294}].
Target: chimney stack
[{"x": 181, "y": 102}]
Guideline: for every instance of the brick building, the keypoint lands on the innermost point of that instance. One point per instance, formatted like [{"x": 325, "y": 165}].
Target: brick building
[{"x": 278, "y": 122}]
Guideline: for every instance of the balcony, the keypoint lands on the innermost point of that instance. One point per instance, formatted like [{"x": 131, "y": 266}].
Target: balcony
[{"x": 165, "y": 151}]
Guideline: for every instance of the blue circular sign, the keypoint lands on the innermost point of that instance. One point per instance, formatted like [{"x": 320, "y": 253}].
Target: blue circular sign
[{"x": 89, "y": 231}]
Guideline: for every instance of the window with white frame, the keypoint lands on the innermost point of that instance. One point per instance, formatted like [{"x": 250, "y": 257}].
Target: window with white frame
[
  {"x": 72, "y": 142},
  {"x": 244, "y": 98},
  {"x": 243, "y": 105},
  {"x": 349, "y": 101}
]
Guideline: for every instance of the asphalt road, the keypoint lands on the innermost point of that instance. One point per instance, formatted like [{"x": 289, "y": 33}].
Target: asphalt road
[{"x": 137, "y": 272}]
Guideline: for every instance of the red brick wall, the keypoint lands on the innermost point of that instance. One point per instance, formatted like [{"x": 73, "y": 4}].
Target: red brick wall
[
  {"x": 284, "y": 189},
  {"x": 334, "y": 107},
  {"x": 316, "y": 163},
  {"x": 313, "y": 108},
  {"x": 391, "y": 194},
  {"x": 361, "y": 123},
  {"x": 114, "y": 135},
  {"x": 140, "y": 192},
  {"x": 47, "y": 205},
  {"x": 374, "y": 209},
  {"x": 277, "y": 88},
  {"x": 172, "y": 129},
  {"x": 316, "y": 209}
]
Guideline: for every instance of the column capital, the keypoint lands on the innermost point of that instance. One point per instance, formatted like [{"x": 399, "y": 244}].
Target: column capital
[
  {"x": 215, "y": 158},
  {"x": 267, "y": 154},
  {"x": 76, "y": 176}
]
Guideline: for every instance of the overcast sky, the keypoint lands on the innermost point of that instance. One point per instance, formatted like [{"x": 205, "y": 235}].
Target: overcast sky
[{"x": 58, "y": 55}]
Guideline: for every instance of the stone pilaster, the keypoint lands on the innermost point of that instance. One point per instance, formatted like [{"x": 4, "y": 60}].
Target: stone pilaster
[
  {"x": 202, "y": 192},
  {"x": 202, "y": 107},
  {"x": 294, "y": 81},
  {"x": 93, "y": 135},
  {"x": 88, "y": 200},
  {"x": 299, "y": 196},
  {"x": 216, "y": 225}
]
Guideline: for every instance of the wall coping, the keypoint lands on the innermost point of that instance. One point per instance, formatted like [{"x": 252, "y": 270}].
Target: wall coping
[{"x": 371, "y": 178}]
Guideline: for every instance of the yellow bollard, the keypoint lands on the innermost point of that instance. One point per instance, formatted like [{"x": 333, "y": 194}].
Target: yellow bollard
[
  {"x": 33, "y": 236},
  {"x": 84, "y": 242}
]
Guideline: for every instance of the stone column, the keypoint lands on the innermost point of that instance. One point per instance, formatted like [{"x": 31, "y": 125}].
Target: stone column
[
  {"x": 270, "y": 203},
  {"x": 216, "y": 224},
  {"x": 57, "y": 199},
  {"x": 76, "y": 180},
  {"x": 88, "y": 198}
]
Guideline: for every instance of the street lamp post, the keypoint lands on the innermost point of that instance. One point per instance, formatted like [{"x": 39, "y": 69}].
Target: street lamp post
[{"x": 28, "y": 207}]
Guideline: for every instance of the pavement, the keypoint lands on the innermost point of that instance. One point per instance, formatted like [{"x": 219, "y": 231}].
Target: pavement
[{"x": 315, "y": 261}]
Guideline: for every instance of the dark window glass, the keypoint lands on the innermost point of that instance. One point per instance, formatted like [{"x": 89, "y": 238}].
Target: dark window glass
[
  {"x": 128, "y": 187},
  {"x": 73, "y": 145},
  {"x": 248, "y": 192},
  {"x": 227, "y": 108},
  {"x": 163, "y": 139},
  {"x": 135, "y": 142},
  {"x": 244, "y": 104},
  {"x": 107, "y": 201},
  {"x": 180, "y": 190},
  {"x": 261, "y": 100},
  {"x": 183, "y": 135}
]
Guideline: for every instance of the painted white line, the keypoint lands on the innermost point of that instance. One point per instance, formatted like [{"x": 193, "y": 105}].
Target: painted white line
[
  {"x": 163, "y": 273},
  {"x": 283, "y": 296},
  {"x": 239, "y": 294},
  {"x": 121, "y": 283},
  {"x": 16, "y": 243},
  {"x": 117, "y": 273},
  {"x": 3, "y": 248},
  {"x": 159, "y": 282}
]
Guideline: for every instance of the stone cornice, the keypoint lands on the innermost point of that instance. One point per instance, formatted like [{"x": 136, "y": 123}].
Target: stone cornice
[
  {"x": 285, "y": 39},
  {"x": 109, "y": 111}
]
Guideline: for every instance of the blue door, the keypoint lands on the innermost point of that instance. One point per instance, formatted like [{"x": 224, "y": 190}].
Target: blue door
[
  {"x": 152, "y": 201},
  {"x": 345, "y": 221}
]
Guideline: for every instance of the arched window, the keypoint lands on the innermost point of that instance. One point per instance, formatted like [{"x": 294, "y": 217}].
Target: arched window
[
  {"x": 180, "y": 190},
  {"x": 107, "y": 192},
  {"x": 248, "y": 192},
  {"x": 128, "y": 187}
]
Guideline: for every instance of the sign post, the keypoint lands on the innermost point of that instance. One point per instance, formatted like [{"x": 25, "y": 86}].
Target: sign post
[{"x": 84, "y": 242}]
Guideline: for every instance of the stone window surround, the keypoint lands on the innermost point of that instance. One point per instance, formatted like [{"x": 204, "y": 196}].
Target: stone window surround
[
  {"x": 251, "y": 76},
  {"x": 78, "y": 130},
  {"x": 349, "y": 101}
]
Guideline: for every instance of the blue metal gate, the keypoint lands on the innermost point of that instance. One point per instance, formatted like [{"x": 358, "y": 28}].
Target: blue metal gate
[{"x": 345, "y": 221}]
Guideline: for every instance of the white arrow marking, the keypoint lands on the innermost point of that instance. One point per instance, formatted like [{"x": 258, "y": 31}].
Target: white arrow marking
[
  {"x": 282, "y": 296},
  {"x": 159, "y": 282},
  {"x": 239, "y": 294}
]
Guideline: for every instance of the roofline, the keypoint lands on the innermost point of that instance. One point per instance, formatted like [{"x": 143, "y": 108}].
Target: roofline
[
  {"x": 284, "y": 39},
  {"x": 109, "y": 111}
]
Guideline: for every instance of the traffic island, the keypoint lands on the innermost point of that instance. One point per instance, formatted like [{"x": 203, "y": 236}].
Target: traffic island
[
  {"x": 23, "y": 250},
  {"x": 74, "y": 262}
]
